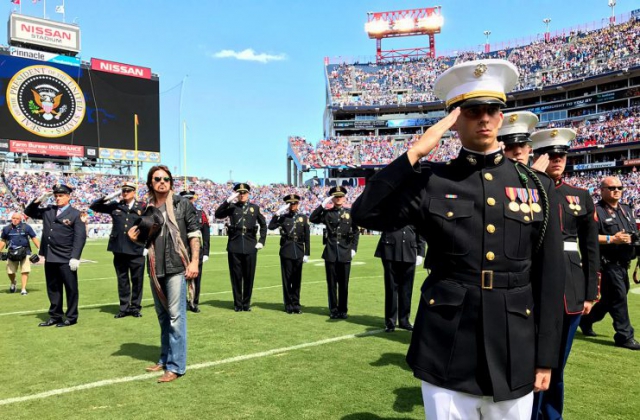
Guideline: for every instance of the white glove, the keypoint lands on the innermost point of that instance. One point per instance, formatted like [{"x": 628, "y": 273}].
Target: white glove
[
  {"x": 44, "y": 197},
  {"x": 205, "y": 258},
  {"x": 419, "y": 260},
  {"x": 112, "y": 196},
  {"x": 282, "y": 210},
  {"x": 259, "y": 246},
  {"x": 233, "y": 197},
  {"x": 353, "y": 254},
  {"x": 305, "y": 259},
  {"x": 327, "y": 203},
  {"x": 145, "y": 252},
  {"x": 74, "y": 264}
]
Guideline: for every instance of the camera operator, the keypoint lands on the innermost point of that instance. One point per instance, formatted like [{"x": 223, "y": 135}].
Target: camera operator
[
  {"x": 617, "y": 234},
  {"x": 15, "y": 237}
]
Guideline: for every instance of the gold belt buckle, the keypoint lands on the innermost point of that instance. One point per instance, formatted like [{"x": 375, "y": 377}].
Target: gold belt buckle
[{"x": 487, "y": 279}]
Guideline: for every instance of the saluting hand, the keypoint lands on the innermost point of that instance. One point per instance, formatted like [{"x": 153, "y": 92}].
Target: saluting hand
[
  {"x": 541, "y": 163},
  {"x": 431, "y": 137}
]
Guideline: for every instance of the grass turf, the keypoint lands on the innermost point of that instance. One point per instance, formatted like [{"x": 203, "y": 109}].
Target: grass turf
[{"x": 262, "y": 364}]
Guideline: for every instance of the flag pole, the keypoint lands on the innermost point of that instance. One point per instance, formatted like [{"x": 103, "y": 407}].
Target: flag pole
[
  {"x": 44, "y": 9},
  {"x": 64, "y": 11},
  {"x": 184, "y": 136},
  {"x": 135, "y": 136}
]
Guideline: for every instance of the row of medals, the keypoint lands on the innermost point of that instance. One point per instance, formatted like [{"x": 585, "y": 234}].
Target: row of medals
[{"x": 524, "y": 207}]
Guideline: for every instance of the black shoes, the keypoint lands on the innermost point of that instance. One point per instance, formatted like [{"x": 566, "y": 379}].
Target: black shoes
[
  {"x": 588, "y": 331},
  {"x": 137, "y": 314},
  {"x": 390, "y": 329},
  {"x": 237, "y": 308},
  {"x": 121, "y": 315},
  {"x": 334, "y": 315},
  {"x": 12, "y": 288},
  {"x": 246, "y": 308},
  {"x": 48, "y": 323},
  {"x": 630, "y": 344},
  {"x": 194, "y": 309},
  {"x": 407, "y": 327},
  {"x": 66, "y": 323}
]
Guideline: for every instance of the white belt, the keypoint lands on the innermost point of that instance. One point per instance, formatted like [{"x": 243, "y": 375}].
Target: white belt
[{"x": 571, "y": 246}]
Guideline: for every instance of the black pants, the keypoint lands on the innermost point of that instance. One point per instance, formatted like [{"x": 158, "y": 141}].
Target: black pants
[
  {"x": 613, "y": 288},
  {"x": 59, "y": 275},
  {"x": 398, "y": 288},
  {"x": 338, "y": 286},
  {"x": 196, "y": 282},
  {"x": 291, "y": 279},
  {"x": 130, "y": 272},
  {"x": 242, "y": 268}
]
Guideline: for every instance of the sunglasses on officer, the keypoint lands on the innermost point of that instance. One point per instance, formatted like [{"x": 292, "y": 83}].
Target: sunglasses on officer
[
  {"x": 127, "y": 190},
  {"x": 161, "y": 178},
  {"x": 615, "y": 188}
]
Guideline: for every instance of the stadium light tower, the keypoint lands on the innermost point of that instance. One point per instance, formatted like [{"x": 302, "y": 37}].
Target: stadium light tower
[
  {"x": 547, "y": 35},
  {"x": 400, "y": 23},
  {"x": 486, "y": 44},
  {"x": 612, "y": 5}
]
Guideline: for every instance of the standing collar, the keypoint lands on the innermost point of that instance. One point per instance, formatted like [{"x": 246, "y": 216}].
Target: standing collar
[{"x": 480, "y": 160}]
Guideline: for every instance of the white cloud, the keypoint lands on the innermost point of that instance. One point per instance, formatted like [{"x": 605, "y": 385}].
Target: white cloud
[{"x": 249, "y": 55}]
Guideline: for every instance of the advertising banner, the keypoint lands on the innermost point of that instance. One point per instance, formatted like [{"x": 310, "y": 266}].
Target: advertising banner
[
  {"x": 123, "y": 154},
  {"x": 120, "y": 68},
  {"x": 45, "y": 33},
  {"x": 49, "y": 149}
]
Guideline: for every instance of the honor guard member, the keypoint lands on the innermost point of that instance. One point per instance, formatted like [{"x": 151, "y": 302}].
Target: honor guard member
[
  {"x": 515, "y": 135},
  {"x": 489, "y": 319},
  {"x": 295, "y": 248},
  {"x": 63, "y": 238},
  {"x": 401, "y": 251},
  {"x": 205, "y": 229},
  {"x": 341, "y": 246},
  {"x": 243, "y": 245},
  {"x": 128, "y": 256},
  {"x": 581, "y": 259},
  {"x": 618, "y": 239}
]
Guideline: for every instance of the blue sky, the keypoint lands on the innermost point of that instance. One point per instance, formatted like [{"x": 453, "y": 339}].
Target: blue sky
[{"x": 253, "y": 69}]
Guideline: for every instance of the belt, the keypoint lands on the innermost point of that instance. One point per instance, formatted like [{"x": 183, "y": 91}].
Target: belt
[
  {"x": 488, "y": 279},
  {"x": 571, "y": 246}
]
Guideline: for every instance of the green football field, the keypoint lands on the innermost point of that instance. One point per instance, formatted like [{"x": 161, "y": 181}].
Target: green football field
[{"x": 262, "y": 364}]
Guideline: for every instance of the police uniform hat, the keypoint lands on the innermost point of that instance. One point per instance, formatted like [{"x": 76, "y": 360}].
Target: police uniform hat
[
  {"x": 242, "y": 187},
  {"x": 149, "y": 225},
  {"x": 553, "y": 140},
  {"x": 291, "y": 198},
  {"x": 62, "y": 189},
  {"x": 479, "y": 82},
  {"x": 129, "y": 186},
  {"x": 338, "y": 191},
  {"x": 188, "y": 194},
  {"x": 517, "y": 127}
]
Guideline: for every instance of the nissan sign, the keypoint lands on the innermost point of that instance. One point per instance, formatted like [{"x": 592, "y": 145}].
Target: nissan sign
[
  {"x": 120, "y": 68},
  {"x": 44, "y": 33}
]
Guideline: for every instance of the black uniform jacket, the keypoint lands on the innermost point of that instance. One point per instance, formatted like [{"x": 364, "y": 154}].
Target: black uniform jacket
[
  {"x": 611, "y": 222},
  {"x": 63, "y": 236},
  {"x": 295, "y": 241},
  {"x": 342, "y": 233},
  {"x": 579, "y": 224},
  {"x": 243, "y": 221},
  {"x": 491, "y": 311},
  {"x": 123, "y": 219},
  {"x": 402, "y": 245},
  {"x": 205, "y": 229}
]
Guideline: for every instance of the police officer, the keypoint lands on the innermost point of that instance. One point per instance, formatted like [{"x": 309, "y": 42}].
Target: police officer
[
  {"x": 489, "y": 315},
  {"x": 63, "y": 238},
  {"x": 401, "y": 251},
  {"x": 515, "y": 135},
  {"x": 205, "y": 229},
  {"x": 243, "y": 245},
  {"x": 128, "y": 256},
  {"x": 581, "y": 259},
  {"x": 341, "y": 246},
  {"x": 295, "y": 248},
  {"x": 616, "y": 234}
]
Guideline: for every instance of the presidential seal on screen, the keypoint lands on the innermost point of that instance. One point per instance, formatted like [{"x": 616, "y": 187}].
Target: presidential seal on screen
[{"x": 46, "y": 101}]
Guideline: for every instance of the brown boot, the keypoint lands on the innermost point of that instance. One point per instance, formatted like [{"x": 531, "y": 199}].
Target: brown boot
[
  {"x": 168, "y": 377},
  {"x": 155, "y": 368}
]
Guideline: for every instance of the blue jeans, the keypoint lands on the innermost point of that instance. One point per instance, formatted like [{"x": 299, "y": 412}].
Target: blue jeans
[
  {"x": 173, "y": 323},
  {"x": 550, "y": 403}
]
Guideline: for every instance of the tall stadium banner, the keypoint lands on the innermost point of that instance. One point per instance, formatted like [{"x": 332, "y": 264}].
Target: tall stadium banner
[
  {"x": 372, "y": 124},
  {"x": 44, "y": 33},
  {"x": 49, "y": 149},
  {"x": 64, "y": 104},
  {"x": 44, "y": 56},
  {"x": 123, "y": 154}
]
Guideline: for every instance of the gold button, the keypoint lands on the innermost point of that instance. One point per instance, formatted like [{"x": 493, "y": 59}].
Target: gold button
[
  {"x": 491, "y": 201},
  {"x": 526, "y": 218},
  {"x": 431, "y": 302},
  {"x": 491, "y": 256},
  {"x": 528, "y": 312},
  {"x": 491, "y": 228},
  {"x": 449, "y": 214},
  {"x": 488, "y": 177}
]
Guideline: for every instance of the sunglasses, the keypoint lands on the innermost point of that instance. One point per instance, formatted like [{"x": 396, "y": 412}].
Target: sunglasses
[
  {"x": 620, "y": 188},
  {"x": 476, "y": 112},
  {"x": 127, "y": 191},
  {"x": 159, "y": 178}
]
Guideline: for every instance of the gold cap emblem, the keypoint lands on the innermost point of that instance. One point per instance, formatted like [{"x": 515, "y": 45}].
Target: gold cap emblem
[
  {"x": 480, "y": 70},
  {"x": 554, "y": 133},
  {"x": 513, "y": 118}
]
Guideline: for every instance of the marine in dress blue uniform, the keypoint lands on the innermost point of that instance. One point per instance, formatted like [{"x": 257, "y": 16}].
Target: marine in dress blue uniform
[
  {"x": 400, "y": 251},
  {"x": 128, "y": 256},
  {"x": 581, "y": 259},
  {"x": 63, "y": 238},
  {"x": 489, "y": 318},
  {"x": 295, "y": 248},
  {"x": 245, "y": 219},
  {"x": 515, "y": 135},
  {"x": 341, "y": 245}
]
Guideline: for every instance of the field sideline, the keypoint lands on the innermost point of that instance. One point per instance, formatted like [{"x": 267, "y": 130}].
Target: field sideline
[{"x": 262, "y": 364}]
